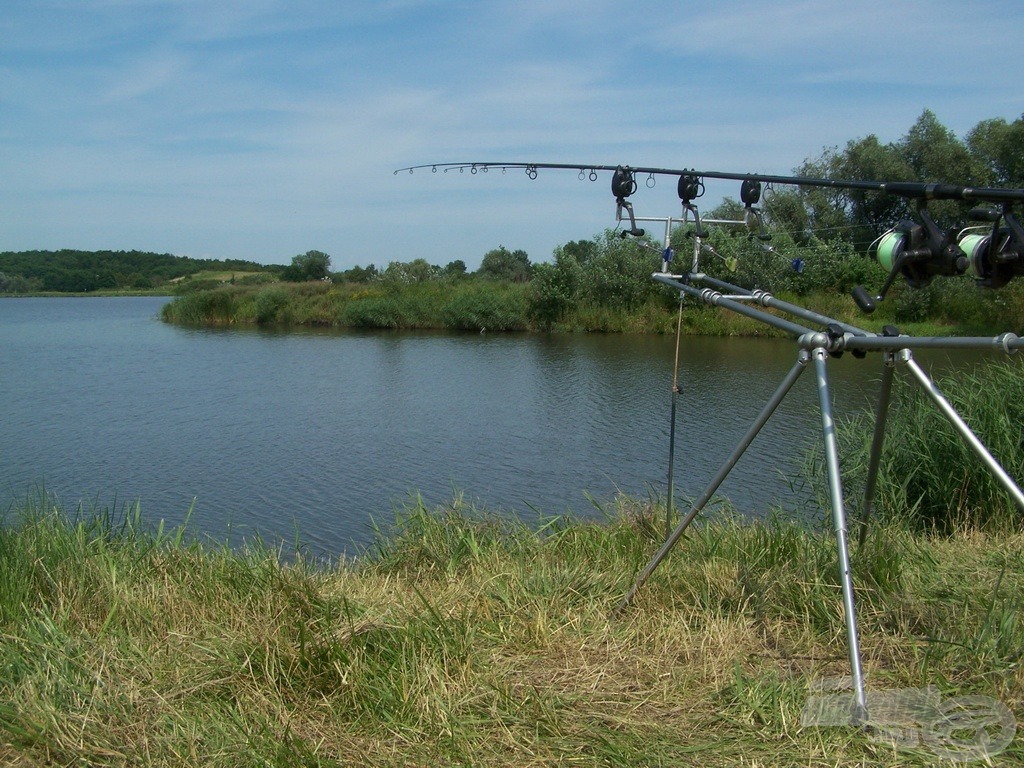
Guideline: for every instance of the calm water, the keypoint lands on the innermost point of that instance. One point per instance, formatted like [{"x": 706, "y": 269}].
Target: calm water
[{"x": 318, "y": 433}]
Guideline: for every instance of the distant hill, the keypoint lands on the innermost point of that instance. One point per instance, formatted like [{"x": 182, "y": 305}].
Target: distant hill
[{"x": 82, "y": 271}]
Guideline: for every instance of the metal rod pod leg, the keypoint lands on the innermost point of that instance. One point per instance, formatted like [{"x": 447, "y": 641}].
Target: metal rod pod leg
[
  {"x": 828, "y": 429},
  {"x": 748, "y": 438},
  {"x": 884, "y": 395},
  {"x": 965, "y": 431}
]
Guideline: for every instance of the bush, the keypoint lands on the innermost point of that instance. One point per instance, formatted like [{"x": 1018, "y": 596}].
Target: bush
[
  {"x": 272, "y": 305},
  {"x": 215, "y": 306},
  {"x": 553, "y": 290}
]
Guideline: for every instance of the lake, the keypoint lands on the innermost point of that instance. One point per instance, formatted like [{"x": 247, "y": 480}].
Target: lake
[{"x": 317, "y": 434}]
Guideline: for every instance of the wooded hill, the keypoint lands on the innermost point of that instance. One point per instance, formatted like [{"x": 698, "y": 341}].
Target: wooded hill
[{"x": 73, "y": 271}]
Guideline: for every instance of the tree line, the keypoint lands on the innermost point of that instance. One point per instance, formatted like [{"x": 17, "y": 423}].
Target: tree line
[
  {"x": 990, "y": 155},
  {"x": 72, "y": 271}
]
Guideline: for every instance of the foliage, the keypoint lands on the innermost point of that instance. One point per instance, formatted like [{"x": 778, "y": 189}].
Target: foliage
[
  {"x": 608, "y": 272},
  {"x": 272, "y": 305},
  {"x": 415, "y": 271},
  {"x": 481, "y": 307},
  {"x": 552, "y": 294},
  {"x": 780, "y": 264},
  {"x": 503, "y": 264},
  {"x": 358, "y": 274},
  {"x": 210, "y": 307},
  {"x": 998, "y": 148},
  {"x": 991, "y": 155},
  {"x": 311, "y": 265},
  {"x": 930, "y": 478},
  {"x": 19, "y": 284},
  {"x": 84, "y": 271},
  {"x": 455, "y": 270}
]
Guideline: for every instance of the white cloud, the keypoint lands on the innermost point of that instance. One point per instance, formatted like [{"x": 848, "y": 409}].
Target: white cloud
[{"x": 264, "y": 129}]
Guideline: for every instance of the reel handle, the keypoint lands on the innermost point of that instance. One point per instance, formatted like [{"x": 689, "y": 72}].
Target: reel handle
[{"x": 864, "y": 300}]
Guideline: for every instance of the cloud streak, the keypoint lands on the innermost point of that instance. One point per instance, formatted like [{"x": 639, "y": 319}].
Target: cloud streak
[{"x": 265, "y": 129}]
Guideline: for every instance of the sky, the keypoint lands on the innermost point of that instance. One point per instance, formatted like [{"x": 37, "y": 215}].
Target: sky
[{"x": 261, "y": 130}]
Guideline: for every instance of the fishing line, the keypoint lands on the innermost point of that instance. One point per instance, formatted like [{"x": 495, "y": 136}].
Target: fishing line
[{"x": 672, "y": 422}]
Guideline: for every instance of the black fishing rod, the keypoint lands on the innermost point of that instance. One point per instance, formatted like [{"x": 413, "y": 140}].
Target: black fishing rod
[
  {"x": 907, "y": 189},
  {"x": 914, "y": 250}
]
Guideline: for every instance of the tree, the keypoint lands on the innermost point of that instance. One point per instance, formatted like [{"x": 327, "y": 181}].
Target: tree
[
  {"x": 359, "y": 274},
  {"x": 455, "y": 270},
  {"x": 929, "y": 152},
  {"x": 407, "y": 272},
  {"x": 997, "y": 148},
  {"x": 581, "y": 251},
  {"x": 311, "y": 265},
  {"x": 503, "y": 264}
]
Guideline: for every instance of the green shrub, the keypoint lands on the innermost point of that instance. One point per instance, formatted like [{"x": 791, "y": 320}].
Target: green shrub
[
  {"x": 272, "y": 305},
  {"x": 214, "y": 306}
]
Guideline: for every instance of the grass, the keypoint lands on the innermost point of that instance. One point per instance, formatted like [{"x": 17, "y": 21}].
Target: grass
[
  {"x": 928, "y": 476},
  {"x": 464, "y": 638}
]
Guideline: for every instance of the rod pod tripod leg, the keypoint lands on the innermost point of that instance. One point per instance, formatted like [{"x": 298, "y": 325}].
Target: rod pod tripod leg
[
  {"x": 819, "y": 355},
  {"x": 705, "y": 497},
  {"x": 906, "y": 356},
  {"x": 828, "y": 431}
]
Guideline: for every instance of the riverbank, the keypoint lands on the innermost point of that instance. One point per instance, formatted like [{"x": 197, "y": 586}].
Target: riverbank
[
  {"x": 495, "y": 306},
  {"x": 465, "y": 639}
]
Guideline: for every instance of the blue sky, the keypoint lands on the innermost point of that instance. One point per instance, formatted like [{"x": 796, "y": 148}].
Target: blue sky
[{"x": 265, "y": 129}]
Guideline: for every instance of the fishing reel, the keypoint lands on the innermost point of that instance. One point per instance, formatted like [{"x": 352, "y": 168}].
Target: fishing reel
[
  {"x": 997, "y": 257},
  {"x": 624, "y": 185},
  {"x": 917, "y": 252},
  {"x": 750, "y": 194}
]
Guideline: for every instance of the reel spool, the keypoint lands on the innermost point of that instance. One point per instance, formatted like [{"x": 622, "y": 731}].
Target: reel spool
[
  {"x": 994, "y": 257},
  {"x": 917, "y": 253},
  {"x": 977, "y": 249}
]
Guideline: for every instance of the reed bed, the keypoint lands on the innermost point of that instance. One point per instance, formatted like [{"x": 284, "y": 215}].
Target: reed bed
[
  {"x": 464, "y": 638},
  {"x": 929, "y": 477},
  {"x": 494, "y": 306}
]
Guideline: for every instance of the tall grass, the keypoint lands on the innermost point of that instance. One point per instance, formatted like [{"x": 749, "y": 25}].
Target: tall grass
[
  {"x": 491, "y": 305},
  {"x": 929, "y": 476},
  {"x": 464, "y": 638}
]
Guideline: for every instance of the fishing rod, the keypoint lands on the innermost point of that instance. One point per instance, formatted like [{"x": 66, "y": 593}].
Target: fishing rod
[
  {"x": 917, "y": 251},
  {"x": 907, "y": 189}
]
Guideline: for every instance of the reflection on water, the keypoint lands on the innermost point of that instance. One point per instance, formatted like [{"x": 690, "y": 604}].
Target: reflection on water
[{"x": 318, "y": 432}]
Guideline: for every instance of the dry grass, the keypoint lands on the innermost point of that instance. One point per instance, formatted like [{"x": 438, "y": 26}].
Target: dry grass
[{"x": 468, "y": 640}]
